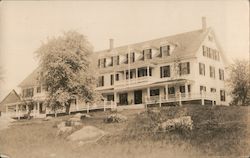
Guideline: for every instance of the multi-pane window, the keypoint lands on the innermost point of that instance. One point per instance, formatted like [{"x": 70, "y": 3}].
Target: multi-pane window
[
  {"x": 184, "y": 68},
  {"x": 148, "y": 53},
  {"x": 165, "y": 51},
  {"x": 110, "y": 97},
  {"x": 143, "y": 72},
  {"x": 117, "y": 77},
  {"x": 202, "y": 69},
  {"x": 213, "y": 90},
  {"x": 165, "y": 71},
  {"x": 210, "y": 53},
  {"x": 212, "y": 71},
  {"x": 100, "y": 81},
  {"x": 222, "y": 95},
  {"x": 28, "y": 92},
  {"x": 171, "y": 90},
  {"x": 116, "y": 60},
  {"x": 111, "y": 79},
  {"x": 132, "y": 57},
  {"x": 126, "y": 59},
  {"x": 102, "y": 63},
  {"x": 154, "y": 92},
  {"x": 182, "y": 89},
  {"x": 38, "y": 89},
  {"x": 221, "y": 74},
  {"x": 202, "y": 89}
]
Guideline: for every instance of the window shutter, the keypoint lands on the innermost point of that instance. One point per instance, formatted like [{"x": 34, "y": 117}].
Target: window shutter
[
  {"x": 161, "y": 71},
  {"x": 188, "y": 67}
]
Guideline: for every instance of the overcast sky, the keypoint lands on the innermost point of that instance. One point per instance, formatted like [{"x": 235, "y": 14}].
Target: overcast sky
[{"x": 24, "y": 25}]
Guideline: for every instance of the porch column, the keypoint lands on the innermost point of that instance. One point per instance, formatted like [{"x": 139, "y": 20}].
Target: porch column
[
  {"x": 186, "y": 90},
  {"x": 147, "y": 70},
  {"x": 38, "y": 108},
  {"x": 202, "y": 98},
  {"x": 148, "y": 93},
  {"x": 166, "y": 92},
  {"x": 115, "y": 99},
  {"x": 16, "y": 109},
  {"x": 136, "y": 74}
]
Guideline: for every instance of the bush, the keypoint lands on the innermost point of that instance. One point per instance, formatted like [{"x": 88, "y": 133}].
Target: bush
[{"x": 216, "y": 130}]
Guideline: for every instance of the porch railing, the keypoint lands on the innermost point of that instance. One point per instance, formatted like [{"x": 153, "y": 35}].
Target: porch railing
[{"x": 179, "y": 97}]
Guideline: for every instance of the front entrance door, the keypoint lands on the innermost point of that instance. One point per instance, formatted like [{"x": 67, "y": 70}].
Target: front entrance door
[
  {"x": 123, "y": 98},
  {"x": 138, "y": 96}
]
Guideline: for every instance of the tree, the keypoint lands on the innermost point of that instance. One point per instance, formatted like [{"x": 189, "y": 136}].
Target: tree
[
  {"x": 239, "y": 82},
  {"x": 66, "y": 70}
]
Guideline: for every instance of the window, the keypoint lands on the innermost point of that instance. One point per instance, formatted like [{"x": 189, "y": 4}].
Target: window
[
  {"x": 132, "y": 57},
  {"x": 222, "y": 95},
  {"x": 212, "y": 71},
  {"x": 165, "y": 51},
  {"x": 182, "y": 89},
  {"x": 184, "y": 68},
  {"x": 45, "y": 88},
  {"x": 210, "y": 53},
  {"x": 117, "y": 77},
  {"x": 100, "y": 81},
  {"x": 148, "y": 53},
  {"x": 28, "y": 92},
  {"x": 221, "y": 74},
  {"x": 110, "y": 97},
  {"x": 154, "y": 92},
  {"x": 38, "y": 89},
  {"x": 202, "y": 89},
  {"x": 202, "y": 69},
  {"x": 143, "y": 72},
  {"x": 126, "y": 60},
  {"x": 102, "y": 63},
  {"x": 116, "y": 60},
  {"x": 212, "y": 90},
  {"x": 165, "y": 71},
  {"x": 189, "y": 88},
  {"x": 111, "y": 79},
  {"x": 171, "y": 90},
  {"x": 210, "y": 38}
]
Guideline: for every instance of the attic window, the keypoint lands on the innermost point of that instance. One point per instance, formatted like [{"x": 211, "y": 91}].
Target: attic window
[
  {"x": 165, "y": 51},
  {"x": 210, "y": 38}
]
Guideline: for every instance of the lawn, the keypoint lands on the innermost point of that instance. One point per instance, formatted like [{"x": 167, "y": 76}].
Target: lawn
[{"x": 218, "y": 131}]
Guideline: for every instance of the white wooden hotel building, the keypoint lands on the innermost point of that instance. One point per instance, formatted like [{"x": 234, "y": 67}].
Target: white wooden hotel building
[{"x": 187, "y": 68}]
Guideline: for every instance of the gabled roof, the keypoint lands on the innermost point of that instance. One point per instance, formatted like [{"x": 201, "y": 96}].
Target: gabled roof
[
  {"x": 12, "y": 97},
  {"x": 186, "y": 43},
  {"x": 31, "y": 80}
]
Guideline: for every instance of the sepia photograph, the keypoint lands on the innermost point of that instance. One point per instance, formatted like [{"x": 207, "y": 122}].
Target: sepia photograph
[{"x": 124, "y": 79}]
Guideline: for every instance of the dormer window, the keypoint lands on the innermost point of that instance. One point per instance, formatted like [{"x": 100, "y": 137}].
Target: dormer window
[
  {"x": 165, "y": 51},
  {"x": 102, "y": 63},
  {"x": 126, "y": 60},
  {"x": 147, "y": 53}
]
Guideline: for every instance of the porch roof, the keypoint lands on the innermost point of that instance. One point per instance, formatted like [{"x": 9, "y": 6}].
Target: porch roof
[
  {"x": 11, "y": 99},
  {"x": 159, "y": 83}
]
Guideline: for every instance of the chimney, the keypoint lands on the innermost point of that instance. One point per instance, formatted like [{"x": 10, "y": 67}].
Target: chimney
[
  {"x": 204, "y": 24},
  {"x": 111, "y": 44}
]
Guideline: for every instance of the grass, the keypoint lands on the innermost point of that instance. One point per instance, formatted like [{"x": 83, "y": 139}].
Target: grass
[{"x": 211, "y": 136}]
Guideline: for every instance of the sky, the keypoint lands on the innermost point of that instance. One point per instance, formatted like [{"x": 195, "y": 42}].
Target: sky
[{"x": 24, "y": 25}]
